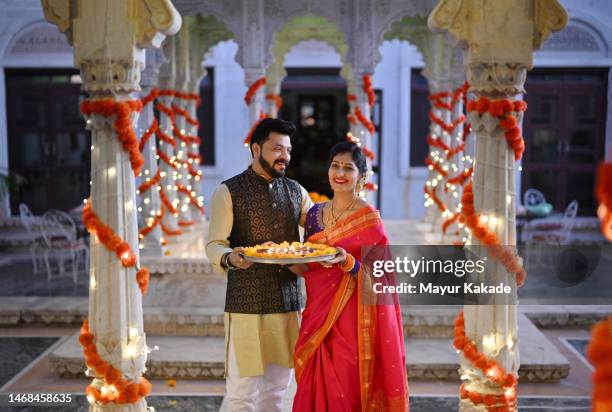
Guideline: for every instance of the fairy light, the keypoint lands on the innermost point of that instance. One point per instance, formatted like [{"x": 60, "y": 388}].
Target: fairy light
[{"x": 111, "y": 172}]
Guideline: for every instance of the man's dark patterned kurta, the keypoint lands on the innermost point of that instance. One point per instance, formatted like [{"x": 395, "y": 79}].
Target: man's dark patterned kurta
[{"x": 263, "y": 211}]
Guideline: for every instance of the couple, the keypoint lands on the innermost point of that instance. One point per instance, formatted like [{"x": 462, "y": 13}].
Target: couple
[{"x": 348, "y": 354}]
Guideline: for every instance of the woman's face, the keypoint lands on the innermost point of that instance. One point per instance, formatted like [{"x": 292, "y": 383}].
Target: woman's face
[{"x": 343, "y": 173}]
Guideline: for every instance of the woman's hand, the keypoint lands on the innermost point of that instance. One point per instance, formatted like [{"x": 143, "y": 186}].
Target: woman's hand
[{"x": 340, "y": 258}]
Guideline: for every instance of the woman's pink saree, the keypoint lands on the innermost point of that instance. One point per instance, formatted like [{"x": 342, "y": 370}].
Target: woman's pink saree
[{"x": 350, "y": 354}]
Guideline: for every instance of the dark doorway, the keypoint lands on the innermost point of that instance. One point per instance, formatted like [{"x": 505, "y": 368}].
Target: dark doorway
[
  {"x": 48, "y": 143},
  {"x": 564, "y": 129},
  {"x": 315, "y": 101}
]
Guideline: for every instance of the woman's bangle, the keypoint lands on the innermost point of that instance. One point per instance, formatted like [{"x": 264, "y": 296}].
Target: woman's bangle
[{"x": 348, "y": 264}]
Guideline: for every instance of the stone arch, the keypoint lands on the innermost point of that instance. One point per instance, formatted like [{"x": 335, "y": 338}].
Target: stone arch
[
  {"x": 579, "y": 35},
  {"x": 206, "y": 31},
  {"x": 37, "y": 37},
  {"x": 298, "y": 29}
]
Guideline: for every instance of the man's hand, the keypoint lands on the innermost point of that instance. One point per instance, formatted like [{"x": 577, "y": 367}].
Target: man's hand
[{"x": 237, "y": 259}]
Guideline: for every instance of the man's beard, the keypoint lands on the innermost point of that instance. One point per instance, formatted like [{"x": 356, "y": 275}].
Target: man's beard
[{"x": 269, "y": 168}]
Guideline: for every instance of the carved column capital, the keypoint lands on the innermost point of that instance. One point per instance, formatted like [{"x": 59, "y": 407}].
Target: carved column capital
[
  {"x": 499, "y": 31},
  {"x": 126, "y": 28}
]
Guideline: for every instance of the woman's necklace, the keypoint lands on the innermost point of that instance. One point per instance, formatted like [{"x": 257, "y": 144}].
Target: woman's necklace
[{"x": 334, "y": 219}]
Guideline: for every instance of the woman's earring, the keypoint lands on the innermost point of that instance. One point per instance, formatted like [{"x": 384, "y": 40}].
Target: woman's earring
[{"x": 360, "y": 185}]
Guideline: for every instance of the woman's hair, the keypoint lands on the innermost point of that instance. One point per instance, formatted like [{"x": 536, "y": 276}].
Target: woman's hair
[{"x": 354, "y": 150}]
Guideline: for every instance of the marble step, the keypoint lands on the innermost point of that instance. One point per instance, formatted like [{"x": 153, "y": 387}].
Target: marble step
[
  {"x": 419, "y": 321},
  {"x": 426, "y": 358}
]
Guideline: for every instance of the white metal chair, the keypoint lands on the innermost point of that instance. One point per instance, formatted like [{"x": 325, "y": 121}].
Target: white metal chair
[
  {"x": 31, "y": 224},
  {"x": 62, "y": 244},
  {"x": 533, "y": 197},
  {"x": 554, "y": 231}
]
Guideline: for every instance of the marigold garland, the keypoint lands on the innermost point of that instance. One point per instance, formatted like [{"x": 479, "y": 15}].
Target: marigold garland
[
  {"x": 490, "y": 368},
  {"x": 124, "y": 390},
  {"x": 372, "y": 187},
  {"x": 185, "y": 223},
  {"x": 599, "y": 353},
  {"x": 147, "y": 184},
  {"x": 435, "y": 166},
  {"x": 181, "y": 188},
  {"x": 364, "y": 120},
  {"x": 603, "y": 193},
  {"x": 368, "y": 153},
  {"x": 123, "y": 124},
  {"x": 185, "y": 114},
  {"x": 166, "y": 202},
  {"x": 351, "y": 98},
  {"x": 170, "y": 232},
  {"x": 460, "y": 178},
  {"x": 149, "y": 227},
  {"x": 165, "y": 137},
  {"x": 247, "y": 139},
  {"x": 147, "y": 134},
  {"x": 278, "y": 101},
  {"x": 257, "y": 84},
  {"x": 368, "y": 90},
  {"x": 351, "y": 119},
  {"x": 163, "y": 156},
  {"x": 502, "y": 109},
  {"x": 432, "y": 195},
  {"x": 153, "y": 94},
  {"x": 447, "y": 127}
]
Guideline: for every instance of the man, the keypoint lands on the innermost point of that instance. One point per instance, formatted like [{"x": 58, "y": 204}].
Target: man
[{"x": 263, "y": 301}]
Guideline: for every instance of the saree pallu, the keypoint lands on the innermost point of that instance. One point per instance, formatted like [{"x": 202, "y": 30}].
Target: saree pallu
[{"x": 350, "y": 353}]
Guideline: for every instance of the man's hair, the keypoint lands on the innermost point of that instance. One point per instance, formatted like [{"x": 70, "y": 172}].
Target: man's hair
[
  {"x": 266, "y": 126},
  {"x": 354, "y": 150}
]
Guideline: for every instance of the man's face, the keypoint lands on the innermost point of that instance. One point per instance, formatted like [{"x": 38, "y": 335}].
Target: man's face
[{"x": 274, "y": 155}]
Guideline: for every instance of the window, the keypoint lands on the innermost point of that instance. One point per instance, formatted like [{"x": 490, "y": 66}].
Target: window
[
  {"x": 419, "y": 118},
  {"x": 206, "y": 117}
]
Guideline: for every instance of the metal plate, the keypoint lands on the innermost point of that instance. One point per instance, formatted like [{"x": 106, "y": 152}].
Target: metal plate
[{"x": 289, "y": 261}]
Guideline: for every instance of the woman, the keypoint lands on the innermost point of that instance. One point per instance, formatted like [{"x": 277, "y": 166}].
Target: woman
[{"x": 350, "y": 353}]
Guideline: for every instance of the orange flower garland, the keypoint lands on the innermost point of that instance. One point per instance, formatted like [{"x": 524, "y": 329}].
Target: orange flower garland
[
  {"x": 351, "y": 98},
  {"x": 181, "y": 188},
  {"x": 124, "y": 391},
  {"x": 450, "y": 221},
  {"x": 186, "y": 115},
  {"x": 490, "y": 368},
  {"x": 149, "y": 227},
  {"x": 364, "y": 120},
  {"x": 165, "y": 137},
  {"x": 368, "y": 153},
  {"x": 351, "y": 119},
  {"x": 435, "y": 166},
  {"x": 460, "y": 178},
  {"x": 247, "y": 139},
  {"x": 257, "y": 84},
  {"x": 278, "y": 101},
  {"x": 603, "y": 193},
  {"x": 166, "y": 202},
  {"x": 123, "y": 124},
  {"x": 502, "y": 109},
  {"x": 147, "y": 134},
  {"x": 368, "y": 90},
  {"x": 154, "y": 94},
  {"x": 151, "y": 182},
  {"x": 599, "y": 353},
  {"x": 447, "y": 127},
  {"x": 432, "y": 194},
  {"x": 372, "y": 187}
]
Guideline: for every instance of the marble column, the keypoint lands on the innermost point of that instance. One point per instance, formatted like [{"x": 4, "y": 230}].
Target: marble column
[
  {"x": 256, "y": 105},
  {"x": 501, "y": 37},
  {"x": 100, "y": 29},
  {"x": 167, "y": 150},
  {"x": 150, "y": 206},
  {"x": 181, "y": 81}
]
